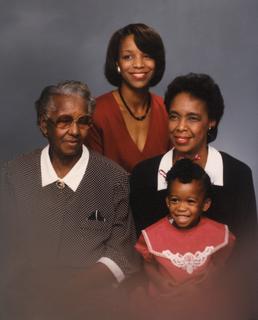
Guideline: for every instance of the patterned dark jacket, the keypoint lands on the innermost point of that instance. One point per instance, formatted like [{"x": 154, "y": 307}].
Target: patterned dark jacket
[{"x": 52, "y": 228}]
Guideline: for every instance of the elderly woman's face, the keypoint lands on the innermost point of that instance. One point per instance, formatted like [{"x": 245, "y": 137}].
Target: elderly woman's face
[
  {"x": 66, "y": 126},
  {"x": 189, "y": 124}
]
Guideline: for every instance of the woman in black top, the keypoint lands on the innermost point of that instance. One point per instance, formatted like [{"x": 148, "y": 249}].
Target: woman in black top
[{"x": 195, "y": 106}]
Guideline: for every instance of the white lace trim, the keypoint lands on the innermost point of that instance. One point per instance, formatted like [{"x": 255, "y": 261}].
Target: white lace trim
[{"x": 188, "y": 261}]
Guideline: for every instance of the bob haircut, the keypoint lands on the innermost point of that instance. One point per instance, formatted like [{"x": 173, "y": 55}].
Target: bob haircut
[
  {"x": 66, "y": 88},
  {"x": 147, "y": 40},
  {"x": 185, "y": 170},
  {"x": 202, "y": 87}
]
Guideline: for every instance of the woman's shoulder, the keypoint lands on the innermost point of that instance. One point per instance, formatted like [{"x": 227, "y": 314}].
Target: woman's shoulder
[
  {"x": 106, "y": 97},
  {"x": 148, "y": 166},
  {"x": 25, "y": 165},
  {"x": 158, "y": 103},
  {"x": 233, "y": 164},
  {"x": 105, "y": 104},
  {"x": 145, "y": 173},
  {"x": 101, "y": 165},
  {"x": 158, "y": 99}
]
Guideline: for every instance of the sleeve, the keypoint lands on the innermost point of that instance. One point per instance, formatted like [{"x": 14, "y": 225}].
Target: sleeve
[
  {"x": 11, "y": 253},
  {"x": 221, "y": 256},
  {"x": 120, "y": 245},
  {"x": 246, "y": 208},
  {"x": 142, "y": 248}
]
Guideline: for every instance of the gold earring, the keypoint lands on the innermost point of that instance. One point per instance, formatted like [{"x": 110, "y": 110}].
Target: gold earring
[{"x": 118, "y": 69}]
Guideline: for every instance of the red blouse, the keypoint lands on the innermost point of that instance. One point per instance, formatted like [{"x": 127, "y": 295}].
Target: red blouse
[
  {"x": 110, "y": 137},
  {"x": 186, "y": 254}
]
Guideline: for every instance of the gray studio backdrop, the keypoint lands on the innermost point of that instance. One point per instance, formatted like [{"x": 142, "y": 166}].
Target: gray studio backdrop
[{"x": 42, "y": 42}]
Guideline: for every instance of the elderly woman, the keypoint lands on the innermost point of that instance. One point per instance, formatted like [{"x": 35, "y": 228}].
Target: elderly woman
[
  {"x": 195, "y": 106},
  {"x": 130, "y": 123},
  {"x": 65, "y": 222}
]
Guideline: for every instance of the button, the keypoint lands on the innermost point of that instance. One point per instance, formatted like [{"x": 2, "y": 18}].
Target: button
[{"x": 60, "y": 184}]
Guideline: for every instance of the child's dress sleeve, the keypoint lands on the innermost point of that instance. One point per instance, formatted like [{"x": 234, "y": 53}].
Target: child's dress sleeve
[
  {"x": 142, "y": 248},
  {"x": 223, "y": 255}
]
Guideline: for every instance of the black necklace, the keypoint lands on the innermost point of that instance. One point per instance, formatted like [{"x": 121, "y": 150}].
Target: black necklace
[{"x": 138, "y": 118}]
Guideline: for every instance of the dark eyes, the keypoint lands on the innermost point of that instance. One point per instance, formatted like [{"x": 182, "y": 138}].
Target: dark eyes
[
  {"x": 175, "y": 200},
  {"x": 191, "y": 201},
  {"x": 127, "y": 57},
  {"x": 174, "y": 116},
  {"x": 131, "y": 57},
  {"x": 193, "y": 118},
  {"x": 64, "y": 122}
]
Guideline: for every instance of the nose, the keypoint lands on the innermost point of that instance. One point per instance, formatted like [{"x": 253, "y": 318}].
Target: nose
[
  {"x": 74, "y": 130},
  {"x": 138, "y": 62},
  {"x": 181, "y": 125},
  {"x": 181, "y": 206}
]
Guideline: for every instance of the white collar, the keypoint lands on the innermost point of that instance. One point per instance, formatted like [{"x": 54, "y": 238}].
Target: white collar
[
  {"x": 214, "y": 168},
  {"x": 73, "y": 177}
]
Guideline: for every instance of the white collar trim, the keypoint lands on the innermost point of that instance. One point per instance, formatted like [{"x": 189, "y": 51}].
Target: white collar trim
[
  {"x": 213, "y": 167},
  {"x": 73, "y": 177}
]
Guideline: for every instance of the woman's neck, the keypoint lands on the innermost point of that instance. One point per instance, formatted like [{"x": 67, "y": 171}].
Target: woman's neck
[
  {"x": 62, "y": 165},
  {"x": 136, "y": 98}
]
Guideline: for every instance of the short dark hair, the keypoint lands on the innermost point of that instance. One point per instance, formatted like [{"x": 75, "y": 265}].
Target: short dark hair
[
  {"x": 68, "y": 87},
  {"x": 185, "y": 170},
  {"x": 147, "y": 40},
  {"x": 203, "y": 87}
]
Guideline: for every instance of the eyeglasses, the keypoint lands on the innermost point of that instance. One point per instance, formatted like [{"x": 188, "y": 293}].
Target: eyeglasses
[{"x": 65, "y": 122}]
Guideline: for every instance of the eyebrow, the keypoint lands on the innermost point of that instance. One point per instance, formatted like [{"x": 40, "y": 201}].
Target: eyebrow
[{"x": 189, "y": 114}]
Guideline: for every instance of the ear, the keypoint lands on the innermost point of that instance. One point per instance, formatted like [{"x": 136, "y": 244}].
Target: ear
[
  {"x": 167, "y": 202},
  {"x": 43, "y": 127},
  {"x": 206, "y": 205}
]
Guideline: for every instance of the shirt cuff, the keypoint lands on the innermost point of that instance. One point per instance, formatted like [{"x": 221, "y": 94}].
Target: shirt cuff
[{"x": 113, "y": 267}]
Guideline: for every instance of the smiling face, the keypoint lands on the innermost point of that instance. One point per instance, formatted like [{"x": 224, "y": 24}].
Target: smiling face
[
  {"x": 65, "y": 143},
  {"x": 186, "y": 202},
  {"x": 189, "y": 124},
  {"x": 136, "y": 67}
]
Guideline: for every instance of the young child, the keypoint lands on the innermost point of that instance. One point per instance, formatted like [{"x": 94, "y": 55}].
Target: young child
[{"x": 184, "y": 247}]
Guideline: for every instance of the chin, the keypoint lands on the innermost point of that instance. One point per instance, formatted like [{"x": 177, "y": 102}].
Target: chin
[{"x": 72, "y": 153}]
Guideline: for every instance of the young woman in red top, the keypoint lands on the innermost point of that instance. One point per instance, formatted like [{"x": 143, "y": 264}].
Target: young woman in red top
[{"x": 130, "y": 124}]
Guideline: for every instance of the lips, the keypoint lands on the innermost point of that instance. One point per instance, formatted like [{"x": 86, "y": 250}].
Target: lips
[
  {"x": 72, "y": 142},
  {"x": 139, "y": 75},
  {"x": 181, "y": 140},
  {"x": 182, "y": 219}
]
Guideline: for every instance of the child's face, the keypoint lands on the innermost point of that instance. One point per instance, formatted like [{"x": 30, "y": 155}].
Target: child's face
[{"x": 186, "y": 202}]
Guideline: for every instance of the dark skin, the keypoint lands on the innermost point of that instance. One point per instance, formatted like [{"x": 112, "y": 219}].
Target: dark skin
[
  {"x": 65, "y": 150},
  {"x": 136, "y": 69}
]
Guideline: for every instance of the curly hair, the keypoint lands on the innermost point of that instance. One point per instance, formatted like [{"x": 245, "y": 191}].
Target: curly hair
[
  {"x": 203, "y": 87},
  {"x": 147, "y": 40},
  {"x": 185, "y": 170}
]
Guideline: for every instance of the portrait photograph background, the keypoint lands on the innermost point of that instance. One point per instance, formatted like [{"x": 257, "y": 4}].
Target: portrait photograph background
[{"x": 44, "y": 42}]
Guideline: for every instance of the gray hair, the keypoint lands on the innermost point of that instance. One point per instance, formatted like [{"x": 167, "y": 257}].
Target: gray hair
[{"x": 67, "y": 88}]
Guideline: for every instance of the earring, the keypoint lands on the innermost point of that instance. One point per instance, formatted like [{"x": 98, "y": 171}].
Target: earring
[
  {"x": 118, "y": 69},
  {"x": 209, "y": 132}
]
